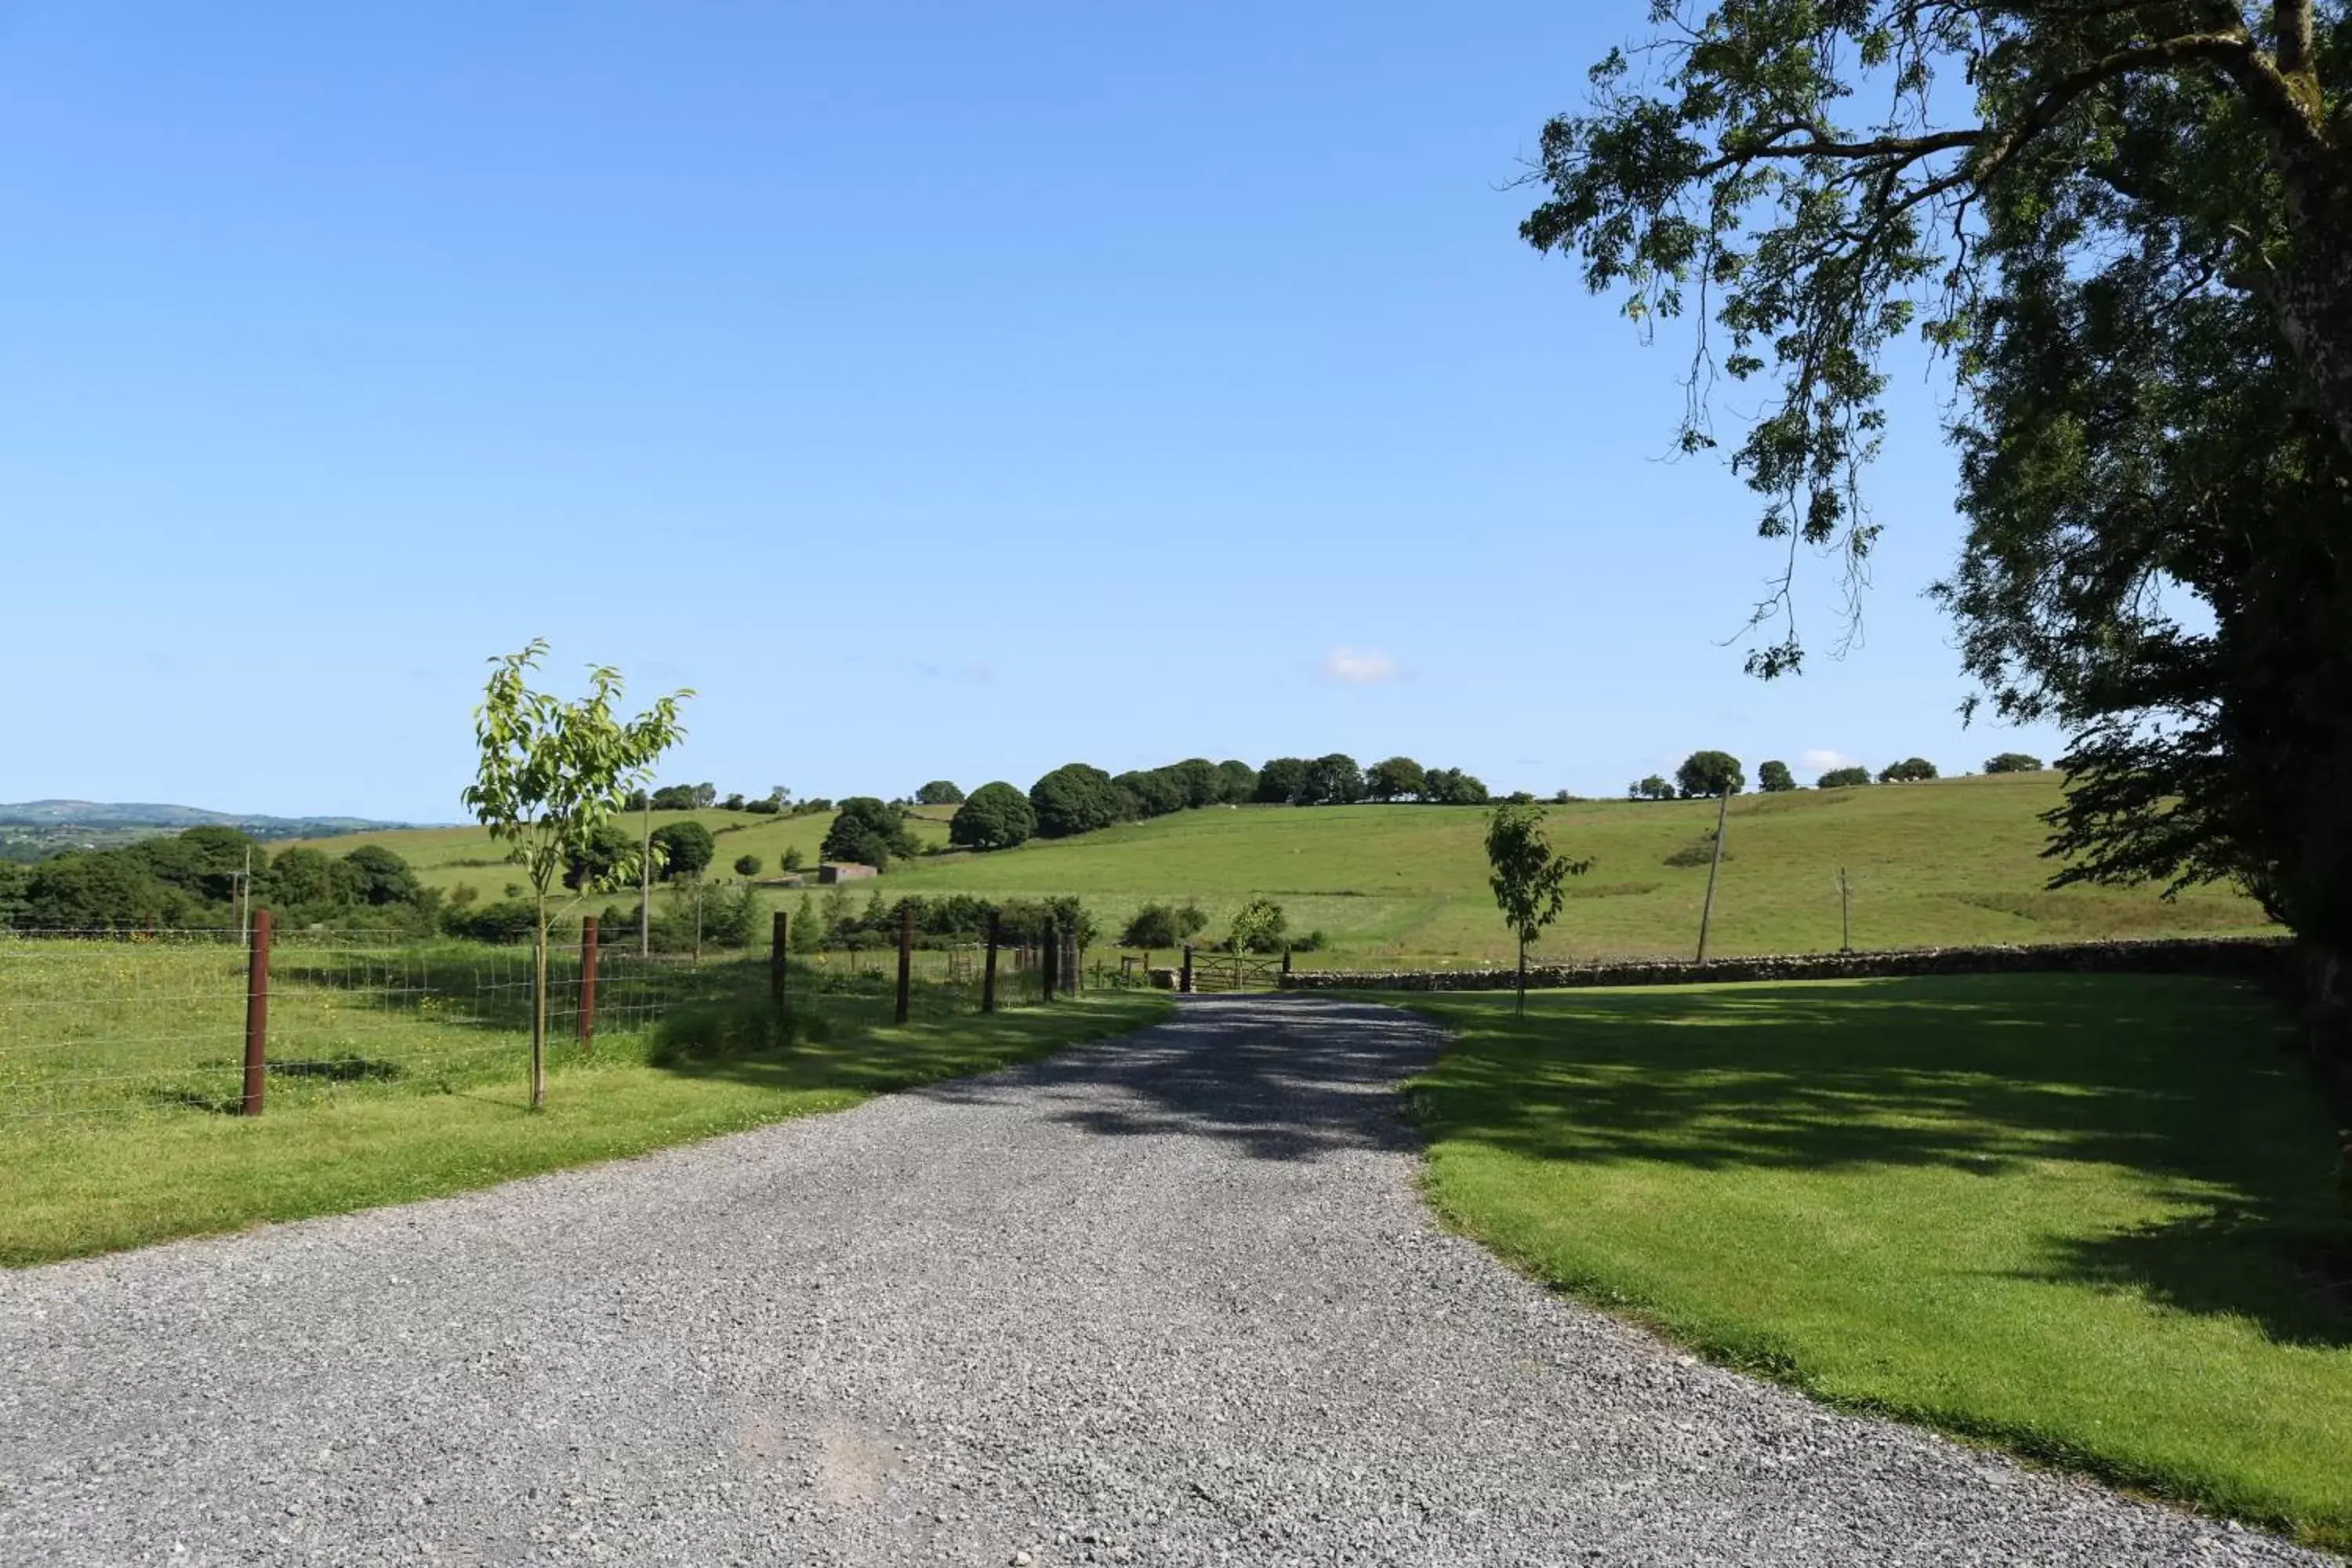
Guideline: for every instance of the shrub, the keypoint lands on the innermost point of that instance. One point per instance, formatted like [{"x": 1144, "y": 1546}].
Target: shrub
[
  {"x": 509, "y": 920},
  {"x": 997, "y": 817},
  {"x": 2012, "y": 763},
  {"x": 1154, "y": 925},
  {"x": 1776, "y": 778},
  {"x": 1190, "y": 921},
  {"x": 746, "y": 866},
  {"x": 807, "y": 932},
  {"x": 1844, "y": 778},
  {"x": 1710, "y": 773},
  {"x": 1700, "y": 853},
  {"x": 793, "y": 859},
  {"x": 609, "y": 847},
  {"x": 1910, "y": 770},
  {"x": 733, "y": 803},
  {"x": 1073, "y": 799}
]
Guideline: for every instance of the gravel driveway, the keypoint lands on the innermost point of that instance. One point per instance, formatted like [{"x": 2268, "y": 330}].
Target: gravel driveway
[{"x": 1172, "y": 1300}]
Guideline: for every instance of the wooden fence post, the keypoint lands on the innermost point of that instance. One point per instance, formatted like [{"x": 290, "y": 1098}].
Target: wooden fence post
[
  {"x": 988, "y": 979},
  {"x": 1047, "y": 956},
  {"x": 257, "y": 1015},
  {"x": 1185, "y": 985},
  {"x": 588, "y": 947},
  {"x": 779, "y": 943},
  {"x": 906, "y": 956}
]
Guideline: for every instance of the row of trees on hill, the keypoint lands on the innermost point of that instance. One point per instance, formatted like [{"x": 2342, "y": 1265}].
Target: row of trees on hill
[
  {"x": 777, "y": 802},
  {"x": 201, "y": 876},
  {"x": 1704, "y": 774}
]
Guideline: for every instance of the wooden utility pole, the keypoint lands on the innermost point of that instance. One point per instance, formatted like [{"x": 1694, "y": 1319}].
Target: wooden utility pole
[
  {"x": 646, "y": 883},
  {"x": 1707, "y": 911}
]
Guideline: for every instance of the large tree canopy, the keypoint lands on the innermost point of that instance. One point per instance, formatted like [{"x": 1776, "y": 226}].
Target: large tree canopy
[{"x": 2129, "y": 226}]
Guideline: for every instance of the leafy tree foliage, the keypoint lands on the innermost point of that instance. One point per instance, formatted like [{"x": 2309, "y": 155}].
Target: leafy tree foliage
[
  {"x": 1451, "y": 787},
  {"x": 1153, "y": 793},
  {"x": 2012, "y": 763},
  {"x": 1774, "y": 778},
  {"x": 684, "y": 850},
  {"x": 1710, "y": 773},
  {"x": 1397, "y": 778},
  {"x": 747, "y": 866},
  {"x": 1528, "y": 876},
  {"x": 706, "y": 795},
  {"x": 1844, "y": 778},
  {"x": 868, "y": 832},
  {"x": 205, "y": 863},
  {"x": 1199, "y": 780},
  {"x": 1237, "y": 781},
  {"x": 379, "y": 877},
  {"x": 733, "y": 803},
  {"x": 1333, "y": 780},
  {"x": 997, "y": 817},
  {"x": 301, "y": 877},
  {"x": 1910, "y": 770},
  {"x": 1073, "y": 798},
  {"x": 938, "y": 792},
  {"x": 609, "y": 857},
  {"x": 1654, "y": 787},
  {"x": 97, "y": 890},
  {"x": 793, "y": 860},
  {"x": 669, "y": 797},
  {"x": 2131, "y": 226},
  {"x": 1282, "y": 781},
  {"x": 1257, "y": 927}
]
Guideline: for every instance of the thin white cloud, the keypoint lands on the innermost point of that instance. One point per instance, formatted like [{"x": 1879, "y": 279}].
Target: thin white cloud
[
  {"x": 1359, "y": 667},
  {"x": 1820, "y": 760}
]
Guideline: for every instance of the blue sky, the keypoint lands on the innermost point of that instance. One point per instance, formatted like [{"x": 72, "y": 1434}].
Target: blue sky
[{"x": 940, "y": 391}]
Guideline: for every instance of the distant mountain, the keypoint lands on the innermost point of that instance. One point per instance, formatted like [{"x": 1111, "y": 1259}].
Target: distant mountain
[{"x": 134, "y": 814}]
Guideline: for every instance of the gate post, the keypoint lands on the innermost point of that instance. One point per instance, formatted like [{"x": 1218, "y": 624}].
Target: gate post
[
  {"x": 1185, "y": 985},
  {"x": 1047, "y": 958},
  {"x": 988, "y": 979},
  {"x": 256, "y": 1016},
  {"x": 906, "y": 955},
  {"x": 588, "y": 947}
]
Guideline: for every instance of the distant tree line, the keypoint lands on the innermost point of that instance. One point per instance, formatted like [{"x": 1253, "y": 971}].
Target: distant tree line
[
  {"x": 1705, "y": 774},
  {"x": 197, "y": 878}
]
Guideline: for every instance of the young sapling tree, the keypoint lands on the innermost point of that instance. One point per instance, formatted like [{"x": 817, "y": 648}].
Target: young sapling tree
[
  {"x": 1529, "y": 874},
  {"x": 549, "y": 774}
]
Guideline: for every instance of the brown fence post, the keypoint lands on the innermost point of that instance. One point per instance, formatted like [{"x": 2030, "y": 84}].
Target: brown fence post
[
  {"x": 1186, "y": 984},
  {"x": 1048, "y": 956},
  {"x": 257, "y": 1015},
  {"x": 780, "y": 943},
  {"x": 988, "y": 978},
  {"x": 587, "y": 981},
  {"x": 1285, "y": 958},
  {"x": 906, "y": 955}
]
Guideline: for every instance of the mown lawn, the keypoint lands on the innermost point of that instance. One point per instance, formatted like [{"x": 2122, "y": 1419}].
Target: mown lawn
[
  {"x": 76, "y": 1184},
  {"x": 2089, "y": 1218}
]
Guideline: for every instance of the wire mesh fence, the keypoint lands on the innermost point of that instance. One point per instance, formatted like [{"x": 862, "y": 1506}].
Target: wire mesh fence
[{"x": 100, "y": 1021}]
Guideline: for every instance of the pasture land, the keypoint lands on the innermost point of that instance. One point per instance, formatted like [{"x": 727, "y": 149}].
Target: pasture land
[
  {"x": 1954, "y": 861},
  {"x": 2092, "y": 1219},
  {"x": 398, "y": 1072}
]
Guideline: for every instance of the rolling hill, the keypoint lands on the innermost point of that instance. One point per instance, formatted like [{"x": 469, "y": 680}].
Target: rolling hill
[{"x": 1957, "y": 860}]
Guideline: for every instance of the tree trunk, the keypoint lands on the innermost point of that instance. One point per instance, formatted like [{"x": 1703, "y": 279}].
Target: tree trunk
[
  {"x": 539, "y": 1014},
  {"x": 2310, "y": 293},
  {"x": 1523, "y": 977}
]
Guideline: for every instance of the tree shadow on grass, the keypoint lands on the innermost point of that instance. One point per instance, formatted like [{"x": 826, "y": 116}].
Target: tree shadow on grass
[{"x": 2191, "y": 1083}]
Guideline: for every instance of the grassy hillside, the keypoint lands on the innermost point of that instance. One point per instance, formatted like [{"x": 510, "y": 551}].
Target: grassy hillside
[{"x": 1954, "y": 861}]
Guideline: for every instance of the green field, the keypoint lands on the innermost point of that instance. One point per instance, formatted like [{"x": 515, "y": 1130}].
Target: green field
[
  {"x": 1954, "y": 861},
  {"x": 400, "y": 1072},
  {"x": 2087, "y": 1218}
]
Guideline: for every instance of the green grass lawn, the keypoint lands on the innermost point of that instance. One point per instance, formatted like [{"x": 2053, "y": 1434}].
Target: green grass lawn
[
  {"x": 1956, "y": 861},
  {"x": 153, "y": 1167},
  {"x": 2086, "y": 1218}
]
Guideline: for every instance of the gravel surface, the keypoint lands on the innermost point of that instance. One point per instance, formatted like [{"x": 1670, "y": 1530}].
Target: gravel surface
[{"x": 1172, "y": 1300}]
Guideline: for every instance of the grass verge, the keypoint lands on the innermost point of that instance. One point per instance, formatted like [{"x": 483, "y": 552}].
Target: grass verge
[
  {"x": 2096, "y": 1220},
  {"x": 73, "y": 1186}
]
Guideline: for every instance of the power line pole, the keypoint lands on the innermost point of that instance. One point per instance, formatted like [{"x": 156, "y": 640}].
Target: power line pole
[
  {"x": 1845, "y": 912},
  {"x": 646, "y": 883},
  {"x": 1707, "y": 911}
]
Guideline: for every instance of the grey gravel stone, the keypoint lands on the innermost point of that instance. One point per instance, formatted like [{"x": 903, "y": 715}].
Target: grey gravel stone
[{"x": 1168, "y": 1300}]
